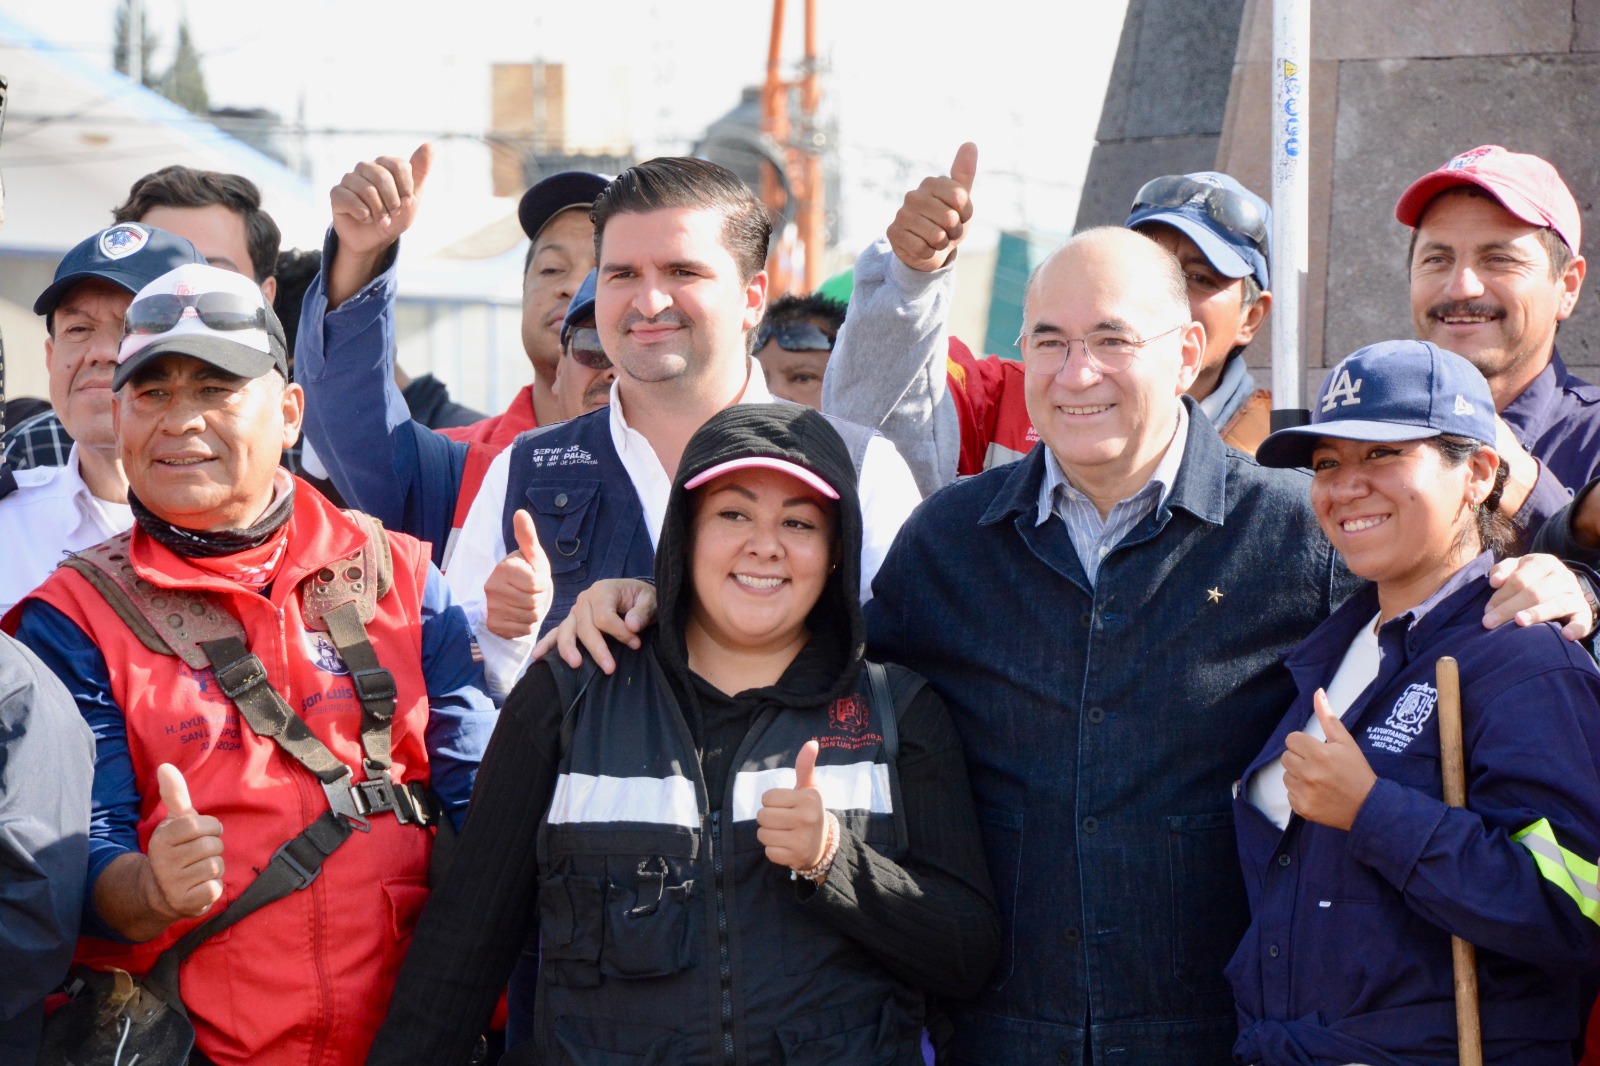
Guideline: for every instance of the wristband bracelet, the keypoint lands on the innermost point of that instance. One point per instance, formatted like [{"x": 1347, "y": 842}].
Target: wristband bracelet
[{"x": 829, "y": 850}]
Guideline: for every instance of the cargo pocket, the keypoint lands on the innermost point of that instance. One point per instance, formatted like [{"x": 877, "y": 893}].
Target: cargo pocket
[
  {"x": 405, "y": 897},
  {"x": 565, "y": 514},
  {"x": 603, "y": 1042},
  {"x": 860, "y": 1033},
  {"x": 1209, "y": 913},
  {"x": 1002, "y": 845},
  {"x": 571, "y": 913},
  {"x": 647, "y": 926}
]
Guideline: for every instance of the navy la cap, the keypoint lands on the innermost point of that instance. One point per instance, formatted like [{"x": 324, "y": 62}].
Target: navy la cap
[
  {"x": 128, "y": 254},
  {"x": 1231, "y": 225},
  {"x": 555, "y": 194},
  {"x": 1392, "y": 391},
  {"x": 582, "y": 305}
]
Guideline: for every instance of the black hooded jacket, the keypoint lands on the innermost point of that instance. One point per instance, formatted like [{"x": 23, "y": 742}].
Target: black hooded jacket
[
  {"x": 928, "y": 919},
  {"x": 829, "y": 665}
]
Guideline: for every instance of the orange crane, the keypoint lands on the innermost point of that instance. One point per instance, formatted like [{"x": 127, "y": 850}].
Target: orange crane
[{"x": 802, "y": 154}]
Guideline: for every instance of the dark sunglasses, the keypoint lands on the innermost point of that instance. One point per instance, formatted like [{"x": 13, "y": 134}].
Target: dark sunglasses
[
  {"x": 794, "y": 337},
  {"x": 584, "y": 345},
  {"x": 218, "y": 310},
  {"x": 1225, "y": 207}
]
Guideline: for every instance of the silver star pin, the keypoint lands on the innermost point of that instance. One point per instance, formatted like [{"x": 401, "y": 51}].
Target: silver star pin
[{"x": 1214, "y": 595}]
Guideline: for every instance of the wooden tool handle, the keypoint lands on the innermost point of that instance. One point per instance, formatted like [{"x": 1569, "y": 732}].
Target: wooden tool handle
[{"x": 1469, "y": 1034}]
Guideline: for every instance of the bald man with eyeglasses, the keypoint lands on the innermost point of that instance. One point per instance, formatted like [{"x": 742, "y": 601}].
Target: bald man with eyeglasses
[{"x": 952, "y": 414}]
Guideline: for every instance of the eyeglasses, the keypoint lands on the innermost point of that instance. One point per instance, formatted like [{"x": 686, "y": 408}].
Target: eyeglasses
[
  {"x": 1110, "y": 351},
  {"x": 794, "y": 337},
  {"x": 1234, "y": 213},
  {"x": 584, "y": 346},
  {"x": 218, "y": 310}
]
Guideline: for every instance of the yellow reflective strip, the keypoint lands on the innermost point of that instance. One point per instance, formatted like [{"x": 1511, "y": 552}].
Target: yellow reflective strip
[{"x": 1562, "y": 868}]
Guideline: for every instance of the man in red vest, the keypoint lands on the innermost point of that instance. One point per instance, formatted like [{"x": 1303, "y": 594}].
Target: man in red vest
[{"x": 266, "y": 676}]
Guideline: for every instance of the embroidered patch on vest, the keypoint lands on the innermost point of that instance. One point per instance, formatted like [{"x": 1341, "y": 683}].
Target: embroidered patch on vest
[
  {"x": 323, "y": 655},
  {"x": 848, "y": 714},
  {"x": 571, "y": 455},
  {"x": 1406, "y": 719}
]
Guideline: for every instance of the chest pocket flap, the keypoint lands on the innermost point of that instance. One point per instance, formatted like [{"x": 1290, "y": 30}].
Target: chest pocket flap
[{"x": 565, "y": 513}]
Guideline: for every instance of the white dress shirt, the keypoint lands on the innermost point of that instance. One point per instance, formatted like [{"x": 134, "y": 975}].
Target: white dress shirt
[
  {"x": 888, "y": 496},
  {"x": 50, "y": 515},
  {"x": 1356, "y": 671}
]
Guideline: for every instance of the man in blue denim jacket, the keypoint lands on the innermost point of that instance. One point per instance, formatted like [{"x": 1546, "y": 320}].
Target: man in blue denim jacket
[{"x": 1152, "y": 581}]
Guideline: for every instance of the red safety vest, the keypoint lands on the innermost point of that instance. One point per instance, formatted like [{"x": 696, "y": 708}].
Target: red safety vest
[
  {"x": 485, "y": 440},
  {"x": 306, "y": 979},
  {"x": 991, "y": 408}
]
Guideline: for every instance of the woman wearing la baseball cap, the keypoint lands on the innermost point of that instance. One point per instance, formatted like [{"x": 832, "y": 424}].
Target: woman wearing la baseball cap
[{"x": 1358, "y": 871}]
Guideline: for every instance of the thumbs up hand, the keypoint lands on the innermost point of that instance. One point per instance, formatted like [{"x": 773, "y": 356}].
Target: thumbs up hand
[
  {"x": 520, "y": 589},
  {"x": 185, "y": 853},
  {"x": 933, "y": 218},
  {"x": 1328, "y": 781},
  {"x": 377, "y": 201},
  {"x": 793, "y": 821},
  {"x": 372, "y": 205}
]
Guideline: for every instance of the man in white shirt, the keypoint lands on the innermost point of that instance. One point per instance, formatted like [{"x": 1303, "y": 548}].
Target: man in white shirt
[
  {"x": 681, "y": 247},
  {"x": 60, "y": 509}
]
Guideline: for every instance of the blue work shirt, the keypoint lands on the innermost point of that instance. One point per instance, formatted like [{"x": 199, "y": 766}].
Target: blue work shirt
[
  {"x": 1557, "y": 419},
  {"x": 1348, "y": 955}
]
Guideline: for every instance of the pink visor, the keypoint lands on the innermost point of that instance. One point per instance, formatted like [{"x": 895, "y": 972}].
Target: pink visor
[{"x": 764, "y": 462}]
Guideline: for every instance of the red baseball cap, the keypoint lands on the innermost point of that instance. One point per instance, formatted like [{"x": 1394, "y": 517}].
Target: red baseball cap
[{"x": 1525, "y": 185}]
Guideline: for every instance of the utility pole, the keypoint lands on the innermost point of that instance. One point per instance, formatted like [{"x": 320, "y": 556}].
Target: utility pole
[
  {"x": 801, "y": 148},
  {"x": 136, "y": 42}
]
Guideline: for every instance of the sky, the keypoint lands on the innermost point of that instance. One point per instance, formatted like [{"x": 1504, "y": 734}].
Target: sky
[{"x": 904, "y": 84}]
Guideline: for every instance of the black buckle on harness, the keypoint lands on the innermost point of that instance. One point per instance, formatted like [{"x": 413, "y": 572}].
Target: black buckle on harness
[
  {"x": 374, "y": 684},
  {"x": 410, "y": 802},
  {"x": 342, "y": 798},
  {"x": 240, "y": 676},
  {"x": 377, "y": 795},
  {"x": 306, "y": 876}
]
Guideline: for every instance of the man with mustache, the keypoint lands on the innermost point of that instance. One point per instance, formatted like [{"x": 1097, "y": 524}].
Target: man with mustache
[{"x": 1495, "y": 268}]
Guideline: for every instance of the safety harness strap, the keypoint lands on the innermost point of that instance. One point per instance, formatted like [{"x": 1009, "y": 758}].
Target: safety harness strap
[
  {"x": 374, "y": 685},
  {"x": 293, "y": 866}
]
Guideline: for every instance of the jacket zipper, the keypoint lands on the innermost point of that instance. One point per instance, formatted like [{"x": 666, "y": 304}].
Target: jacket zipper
[{"x": 724, "y": 957}]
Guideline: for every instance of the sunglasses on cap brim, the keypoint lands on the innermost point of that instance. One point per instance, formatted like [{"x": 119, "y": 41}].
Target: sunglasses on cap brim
[
  {"x": 224, "y": 311},
  {"x": 583, "y": 344},
  {"x": 1226, "y": 208},
  {"x": 794, "y": 337}
]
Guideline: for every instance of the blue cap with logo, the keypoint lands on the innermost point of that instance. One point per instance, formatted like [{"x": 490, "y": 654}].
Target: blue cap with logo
[
  {"x": 129, "y": 254},
  {"x": 1231, "y": 225},
  {"x": 581, "y": 306},
  {"x": 1392, "y": 391}
]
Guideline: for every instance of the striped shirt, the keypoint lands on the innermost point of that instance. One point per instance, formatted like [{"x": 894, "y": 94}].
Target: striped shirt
[{"x": 1092, "y": 536}]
